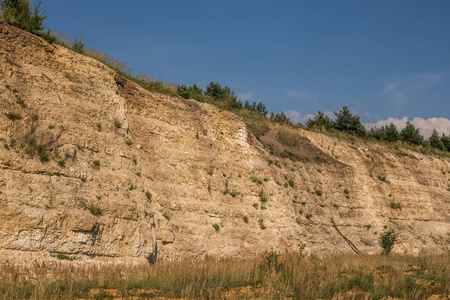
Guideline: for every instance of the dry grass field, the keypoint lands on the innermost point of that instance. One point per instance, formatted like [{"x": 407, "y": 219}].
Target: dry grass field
[{"x": 268, "y": 277}]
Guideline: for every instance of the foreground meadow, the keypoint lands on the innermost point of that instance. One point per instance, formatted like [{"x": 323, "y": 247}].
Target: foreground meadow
[{"x": 269, "y": 277}]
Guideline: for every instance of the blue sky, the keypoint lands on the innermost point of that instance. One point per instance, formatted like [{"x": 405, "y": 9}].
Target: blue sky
[{"x": 381, "y": 58}]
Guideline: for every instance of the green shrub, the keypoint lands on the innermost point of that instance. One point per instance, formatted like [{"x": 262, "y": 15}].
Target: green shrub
[
  {"x": 78, "y": 45},
  {"x": 245, "y": 219},
  {"x": 62, "y": 163},
  {"x": 291, "y": 183},
  {"x": 216, "y": 227},
  {"x": 387, "y": 240},
  {"x": 129, "y": 142},
  {"x": 318, "y": 192},
  {"x": 148, "y": 195},
  {"x": 308, "y": 216},
  {"x": 96, "y": 163},
  {"x": 346, "y": 191}
]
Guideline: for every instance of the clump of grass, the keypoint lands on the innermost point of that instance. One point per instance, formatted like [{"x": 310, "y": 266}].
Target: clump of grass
[
  {"x": 216, "y": 227},
  {"x": 129, "y": 142},
  {"x": 13, "y": 115},
  {"x": 95, "y": 210},
  {"x": 261, "y": 224},
  {"x": 62, "y": 163},
  {"x": 148, "y": 195},
  {"x": 291, "y": 183},
  {"x": 395, "y": 205},
  {"x": 346, "y": 191},
  {"x": 99, "y": 127},
  {"x": 63, "y": 256},
  {"x": 117, "y": 124},
  {"x": 318, "y": 192},
  {"x": 245, "y": 219},
  {"x": 96, "y": 163},
  {"x": 262, "y": 196},
  {"x": 256, "y": 180},
  {"x": 308, "y": 216}
]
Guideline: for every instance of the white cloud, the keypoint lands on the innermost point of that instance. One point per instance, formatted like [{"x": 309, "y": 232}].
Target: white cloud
[
  {"x": 425, "y": 126},
  {"x": 296, "y": 117}
]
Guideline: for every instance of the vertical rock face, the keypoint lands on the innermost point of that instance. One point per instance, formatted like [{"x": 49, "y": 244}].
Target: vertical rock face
[{"x": 94, "y": 166}]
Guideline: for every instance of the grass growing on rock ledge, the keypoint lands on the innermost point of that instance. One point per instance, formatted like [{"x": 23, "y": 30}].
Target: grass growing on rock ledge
[{"x": 268, "y": 277}]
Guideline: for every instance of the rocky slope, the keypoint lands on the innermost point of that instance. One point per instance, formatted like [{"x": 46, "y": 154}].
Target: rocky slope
[{"x": 96, "y": 167}]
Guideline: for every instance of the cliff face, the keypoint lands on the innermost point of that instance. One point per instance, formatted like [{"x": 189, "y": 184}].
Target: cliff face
[{"x": 94, "y": 166}]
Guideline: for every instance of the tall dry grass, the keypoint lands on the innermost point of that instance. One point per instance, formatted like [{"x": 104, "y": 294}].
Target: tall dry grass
[{"x": 272, "y": 276}]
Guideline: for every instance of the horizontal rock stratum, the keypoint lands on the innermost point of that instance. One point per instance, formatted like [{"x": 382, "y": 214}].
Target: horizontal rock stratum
[{"x": 96, "y": 167}]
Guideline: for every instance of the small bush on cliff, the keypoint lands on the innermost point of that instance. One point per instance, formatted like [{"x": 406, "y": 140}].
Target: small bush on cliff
[
  {"x": 18, "y": 13},
  {"x": 387, "y": 240}
]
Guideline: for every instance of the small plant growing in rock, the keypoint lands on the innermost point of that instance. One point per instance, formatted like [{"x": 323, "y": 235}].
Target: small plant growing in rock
[
  {"x": 34, "y": 117},
  {"x": 148, "y": 195},
  {"x": 387, "y": 240},
  {"x": 83, "y": 178},
  {"x": 308, "y": 216},
  {"x": 245, "y": 219},
  {"x": 262, "y": 196},
  {"x": 62, "y": 163},
  {"x": 395, "y": 205},
  {"x": 96, "y": 163},
  {"x": 318, "y": 192},
  {"x": 216, "y": 227},
  {"x": 138, "y": 174},
  {"x": 95, "y": 210},
  {"x": 291, "y": 183},
  {"x": 117, "y": 124},
  {"x": 346, "y": 191},
  {"x": 165, "y": 215},
  {"x": 255, "y": 205},
  {"x": 99, "y": 127},
  {"x": 13, "y": 115},
  {"x": 63, "y": 256},
  {"x": 303, "y": 203},
  {"x": 135, "y": 160},
  {"x": 129, "y": 142},
  {"x": 261, "y": 224},
  {"x": 383, "y": 178}
]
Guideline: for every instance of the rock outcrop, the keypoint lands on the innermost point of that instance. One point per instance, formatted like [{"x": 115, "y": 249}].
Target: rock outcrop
[{"x": 96, "y": 167}]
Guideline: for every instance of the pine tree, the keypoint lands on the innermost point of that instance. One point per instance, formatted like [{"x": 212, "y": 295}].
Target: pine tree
[
  {"x": 435, "y": 141},
  {"x": 19, "y": 14},
  {"x": 346, "y": 121},
  {"x": 411, "y": 135}
]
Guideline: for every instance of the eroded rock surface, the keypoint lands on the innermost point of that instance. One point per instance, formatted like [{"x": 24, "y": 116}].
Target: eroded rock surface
[{"x": 128, "y": 169}]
